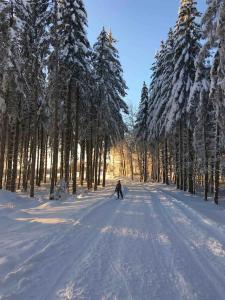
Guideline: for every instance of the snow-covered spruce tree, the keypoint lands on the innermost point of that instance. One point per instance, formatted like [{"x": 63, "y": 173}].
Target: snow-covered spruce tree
[
  {"x": 155, "y": 90},
  {"x": 111, "y": 88},
  {"x": 213, "y": 31},
  {"x": 55, "y": 91},
  {"x": 161, "y": 108},
  {"x": 23, "y": 51},
  {"x": 161, "y": 114},
  {"x": 141, "y": 133},
  {"x": 186, "y": 49},
  {"x": 163, "y": 88},
  {"x": 11, "y": 90},
  {"x": 154, "y": 98},
  {"x": 74, "y": 49},
  {"x": 87, "y": 129},
  {"x": 202, "y": 117},
  {"x": 4, "y": 69},
  {"x": 4, "y": 48}
]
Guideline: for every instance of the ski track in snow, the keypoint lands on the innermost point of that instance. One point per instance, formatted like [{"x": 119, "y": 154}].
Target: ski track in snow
[{"x": 156, "y": 244}]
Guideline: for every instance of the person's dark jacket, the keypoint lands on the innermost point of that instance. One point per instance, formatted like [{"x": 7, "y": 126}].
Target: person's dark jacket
[{"x": 118, "y": 187}]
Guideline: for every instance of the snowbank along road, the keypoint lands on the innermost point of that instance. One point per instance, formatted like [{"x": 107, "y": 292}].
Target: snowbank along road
[{"x": 157, "y": 243}]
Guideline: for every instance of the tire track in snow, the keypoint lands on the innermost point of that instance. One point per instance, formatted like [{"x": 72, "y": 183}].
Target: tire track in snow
[
  {"x": 176, "y": 235},
  {"x": 19, "y": 277},
  {"x": 87, "y": 254},
  {"x": 102, "y": 253},
  {"x": 196, "y": 221},
  {"x": 155, "y": 229}
]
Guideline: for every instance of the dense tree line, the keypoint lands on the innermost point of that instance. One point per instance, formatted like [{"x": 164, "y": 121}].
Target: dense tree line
[
  {"x": 61, "y": 101},
  {"x": 182, "y": 121}
]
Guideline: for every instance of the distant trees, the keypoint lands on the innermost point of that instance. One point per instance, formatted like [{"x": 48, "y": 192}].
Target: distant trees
[
  {"x": 61, "y": 102},
  {"x": 186, "y": 102}
]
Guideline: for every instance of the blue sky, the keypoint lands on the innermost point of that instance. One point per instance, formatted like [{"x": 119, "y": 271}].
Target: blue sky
[{"x": 139, "y": 26}]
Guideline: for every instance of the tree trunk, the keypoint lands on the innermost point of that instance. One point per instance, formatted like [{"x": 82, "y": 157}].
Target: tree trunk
[
  {"x": 166, "y": 162},
  {"x": 158, "y": 162},
  {"x": 163, "y": 164},
  {"x": 33, "y": 158},
  {"x": 105, "y": 161},
  {"x": 21, "y": 160},
  {"x": 131, "y": 165},
  {"x": 176, "y": 145},
  {"x": 93, "y": 165},
  {"x": 9, "y": 156},
  {"x": 190, "y": 162},
  {"x": 96, "y": 165},
  {"x": 217, "y": 167},
  {"x": 38, "y": 157},
  {"x": 42, "y": 157},
  {"x": 100, "y": 165},
  {"x": 15, "y": 158},
  {"x": 171, "y": 167},
  {"x": 62, "y": 156},
  {"x": 82, "y": 162},
  {"x": 89, "y": 164},
  {"x": 68, "y": 130},
  {"x": 46, "y": 160},
  {"x": 181, "y": 174},
  {"x": 206, "y": 184},
  {"x": 55, "y": 151},
  {"x": 26, "y": 161},
  {"x": 145, "y": 162},
  {"x": 153, "y": 169},
  {"x": 76, "y": 140},
  {"x": 139, "y": 163},
  {"x": 212, "y": 183},
  {"x": 185, "y": 157},
  {"x": 2, "y": 152}
]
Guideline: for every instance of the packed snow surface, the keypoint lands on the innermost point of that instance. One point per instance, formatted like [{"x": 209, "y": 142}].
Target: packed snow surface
[{"x": 157, "y": 243}]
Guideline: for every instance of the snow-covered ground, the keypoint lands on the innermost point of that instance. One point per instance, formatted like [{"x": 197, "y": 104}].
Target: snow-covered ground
[{"x": 157, "y": 243}]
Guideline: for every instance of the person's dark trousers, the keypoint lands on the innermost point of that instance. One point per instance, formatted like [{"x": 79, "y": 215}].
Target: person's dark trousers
[{"x": 119, "y": 193}]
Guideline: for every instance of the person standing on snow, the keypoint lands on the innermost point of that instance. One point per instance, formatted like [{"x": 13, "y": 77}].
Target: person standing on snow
[{"x": 119, "y": 190}]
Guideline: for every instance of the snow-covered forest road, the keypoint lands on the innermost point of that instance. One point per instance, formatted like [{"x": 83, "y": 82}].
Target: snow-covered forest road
[{"x": 151, "y": 245}]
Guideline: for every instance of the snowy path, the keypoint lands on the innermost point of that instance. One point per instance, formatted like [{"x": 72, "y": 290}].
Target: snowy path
[{"x": 151, "y": 245}]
